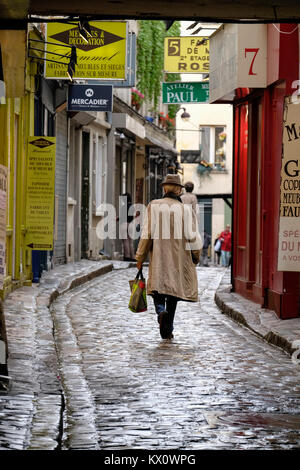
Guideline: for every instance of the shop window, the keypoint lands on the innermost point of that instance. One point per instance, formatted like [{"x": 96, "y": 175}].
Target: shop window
[
  {"x": 99, "y": 172},
  {"x": 213, "y": 146}
]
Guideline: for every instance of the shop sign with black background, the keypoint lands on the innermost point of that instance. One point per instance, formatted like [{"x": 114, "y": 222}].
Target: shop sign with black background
[{"x": 90, "y": 98}]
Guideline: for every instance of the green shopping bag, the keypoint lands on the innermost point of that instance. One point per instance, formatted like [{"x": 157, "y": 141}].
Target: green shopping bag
[{"x": 138, "y": 298}]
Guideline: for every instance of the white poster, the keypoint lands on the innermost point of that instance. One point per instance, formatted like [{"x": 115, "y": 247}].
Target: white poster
[{"x": 289, "y": 222}]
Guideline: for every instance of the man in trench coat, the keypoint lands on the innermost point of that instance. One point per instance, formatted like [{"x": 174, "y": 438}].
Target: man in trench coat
[{"x": 170, "y": 235}]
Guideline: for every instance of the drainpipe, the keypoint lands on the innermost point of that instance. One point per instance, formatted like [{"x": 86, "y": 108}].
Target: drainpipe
[
  {"x": 232, "y": 200},
  {"x": 109, "y": 244},
  {"x": 4, "y": 379}
]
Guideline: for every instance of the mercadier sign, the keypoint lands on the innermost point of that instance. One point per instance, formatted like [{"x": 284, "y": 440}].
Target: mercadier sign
[
  {"x": 90, "y": 98},
  {"x": 185, "y": 92}
]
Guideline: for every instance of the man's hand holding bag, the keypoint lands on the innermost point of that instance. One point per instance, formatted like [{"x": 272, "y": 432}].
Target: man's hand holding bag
[{"x": 138, "y": 298}]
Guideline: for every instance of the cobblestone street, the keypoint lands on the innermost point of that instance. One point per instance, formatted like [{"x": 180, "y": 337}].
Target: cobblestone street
[{"x": 216, "y": 385}]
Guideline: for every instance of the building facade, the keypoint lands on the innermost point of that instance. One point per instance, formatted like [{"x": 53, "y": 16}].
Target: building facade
[{"x": 259, "y": 85}]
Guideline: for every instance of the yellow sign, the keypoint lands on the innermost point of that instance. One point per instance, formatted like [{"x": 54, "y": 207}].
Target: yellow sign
[
  {"x": 186, "y": 55},
  {"x": 40, "y": 192},
  {"x": 3, "y": 195},
  {"x": 101, "y": 56}
]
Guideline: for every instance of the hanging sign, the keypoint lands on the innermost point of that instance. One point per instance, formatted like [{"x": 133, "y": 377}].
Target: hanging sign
[
  {"x": 3, "y": 197},
  {"x": 40, "y": 192},
  {"x": 185, "y": 92},
  {"x": 101, "y": 57},
  {"x": 186, "y": 54},
  {"x": 289, "y": 222},
  {"x": 238, "y": 59},
  {"x": 90, "y": 98}
]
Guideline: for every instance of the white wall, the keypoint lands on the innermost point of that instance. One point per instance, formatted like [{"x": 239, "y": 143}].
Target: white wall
[{"x": 188, "y": 138}]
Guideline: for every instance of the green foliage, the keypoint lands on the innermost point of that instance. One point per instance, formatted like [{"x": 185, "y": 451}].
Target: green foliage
[{"x": 150, "y": 58}]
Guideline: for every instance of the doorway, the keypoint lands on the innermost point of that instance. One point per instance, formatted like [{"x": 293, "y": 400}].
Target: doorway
[{"x": 85, "y": 195}]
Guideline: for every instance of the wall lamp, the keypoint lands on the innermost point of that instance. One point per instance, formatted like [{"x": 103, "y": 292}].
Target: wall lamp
[
  {"x": 84, "y": 30},
  {"x": 185, "y": 116},
  {"x": 72, "y": 63}
]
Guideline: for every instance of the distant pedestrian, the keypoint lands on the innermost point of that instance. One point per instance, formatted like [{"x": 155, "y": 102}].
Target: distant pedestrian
[
  {"x": 173, "y": 258},
  {"x": 217, "y": 250},
  {"x": 206, "y": 244},
  {"x": 188, "y": 197},
  {"x": 127, "y": 241},
  {"x": 225, "y": 239}
]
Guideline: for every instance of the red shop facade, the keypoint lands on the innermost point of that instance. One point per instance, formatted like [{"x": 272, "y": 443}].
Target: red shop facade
[{"x": 257, "y": 71}]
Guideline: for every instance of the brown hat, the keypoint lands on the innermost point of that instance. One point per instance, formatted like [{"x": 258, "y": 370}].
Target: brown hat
[{"x": 172, "y": 179}]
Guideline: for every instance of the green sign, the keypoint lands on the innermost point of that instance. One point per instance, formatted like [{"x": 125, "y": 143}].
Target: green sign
[{"x": 185, "y": 92}]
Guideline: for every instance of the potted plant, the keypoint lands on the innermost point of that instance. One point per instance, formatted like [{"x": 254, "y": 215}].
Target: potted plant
[
  {"x": 222, "y": 136},
  {"x": 161, "y": 119},
  {"x": 204, "y": 168},
  {"x": 136, "y": 98}
]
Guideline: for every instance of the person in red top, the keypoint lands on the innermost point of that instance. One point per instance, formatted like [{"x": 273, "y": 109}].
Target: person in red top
[{"x": 225, "y": 239}]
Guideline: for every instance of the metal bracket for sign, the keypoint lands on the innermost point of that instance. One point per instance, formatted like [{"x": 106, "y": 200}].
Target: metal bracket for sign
[{"x": 131, "y": 67}]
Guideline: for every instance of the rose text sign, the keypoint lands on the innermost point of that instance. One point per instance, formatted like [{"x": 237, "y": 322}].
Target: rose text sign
[
  {"x": 102, "y": 56},
  {"x": 289, "y": 222},
  {"x": 185, "y": 92},
  {"x": 40, "y": 192},
  {"x": 186, "y": 54}
]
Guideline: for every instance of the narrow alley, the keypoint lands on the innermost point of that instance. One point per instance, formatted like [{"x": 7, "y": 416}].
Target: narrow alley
[{"x": 214, "y": 386}]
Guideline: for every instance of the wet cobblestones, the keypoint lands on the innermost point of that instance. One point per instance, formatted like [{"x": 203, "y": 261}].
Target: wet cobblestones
[
  {"x": 214, "y": 386},
  {"x": 31, "y": 411}
]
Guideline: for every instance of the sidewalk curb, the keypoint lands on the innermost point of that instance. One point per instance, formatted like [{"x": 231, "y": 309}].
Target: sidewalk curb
[
  {"x": 263, "y": 322},
  {"x": 78, "y": 281},
  {"x": 31, "y": 343}
]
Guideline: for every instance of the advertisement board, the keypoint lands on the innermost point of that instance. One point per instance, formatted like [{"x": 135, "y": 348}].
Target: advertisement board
[
  {"x": 90, "y": 98},
  {"x": 3, "y": 197},
  {"x": 289, "y": 221},
  {"x": 102, "y": 56},
  {"x": 238, "y": 59},
  {"x": 185, "y": 92},
  {"x": 186, "y": 54},
  {"x": 40, "y": 188}
]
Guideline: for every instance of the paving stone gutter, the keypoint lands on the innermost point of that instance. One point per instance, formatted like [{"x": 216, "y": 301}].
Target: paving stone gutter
[{"x": 263, "y": 322}]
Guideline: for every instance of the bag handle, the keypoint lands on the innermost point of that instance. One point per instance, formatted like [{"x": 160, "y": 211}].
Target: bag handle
[{"x": 140, "y": 274}]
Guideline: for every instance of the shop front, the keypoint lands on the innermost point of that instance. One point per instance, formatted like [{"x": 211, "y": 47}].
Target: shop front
[{"x": 259, "y": 71}]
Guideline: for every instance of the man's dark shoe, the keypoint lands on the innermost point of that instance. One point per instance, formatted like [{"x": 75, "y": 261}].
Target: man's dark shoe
[{"x": 164, "y": 325}]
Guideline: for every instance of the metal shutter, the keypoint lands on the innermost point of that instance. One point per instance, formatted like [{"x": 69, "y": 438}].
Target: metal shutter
[{"x": 61, "y": 188}]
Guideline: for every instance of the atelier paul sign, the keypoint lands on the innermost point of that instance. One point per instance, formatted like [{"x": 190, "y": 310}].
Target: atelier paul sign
[
  {"x": 102, "y": 56},
  {"x": 90, "y": 98},
  {"x": 40, "y": 192},
  {"x": 185, "y": 92},
  {"x": 186, "y": 54},
  {"x": 289, "y": 222}
]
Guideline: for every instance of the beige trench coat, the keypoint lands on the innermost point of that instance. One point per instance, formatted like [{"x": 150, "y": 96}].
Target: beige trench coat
[{"x": 170, "y": 235}]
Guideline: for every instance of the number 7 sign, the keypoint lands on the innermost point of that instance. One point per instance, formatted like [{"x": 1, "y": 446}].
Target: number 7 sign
[{"x": 254, "y": 51}]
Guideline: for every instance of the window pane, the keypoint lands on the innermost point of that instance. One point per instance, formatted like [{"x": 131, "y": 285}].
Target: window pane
[
  {"x": 205, "y": 142},
  {"x": 220, "y": 149}
]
